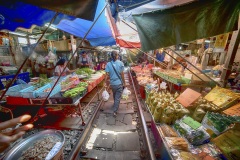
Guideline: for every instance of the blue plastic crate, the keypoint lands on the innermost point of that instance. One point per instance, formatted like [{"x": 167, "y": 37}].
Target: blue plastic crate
[
  {"x": 41, "y": 94},
  {"x": 23, "y": 76},
  {"x": 15, "y": 91},
  {"x": 29, "y": 92}
]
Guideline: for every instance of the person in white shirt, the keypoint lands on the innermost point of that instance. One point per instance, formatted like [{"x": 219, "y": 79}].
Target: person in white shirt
[{"x": 60, "y": 66}]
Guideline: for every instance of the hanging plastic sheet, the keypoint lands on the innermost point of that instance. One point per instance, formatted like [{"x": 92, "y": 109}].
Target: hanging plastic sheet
[
  {"x": 196, "y": 20},
  {"x": 19, "y": 14},
  {"x": 100, "y": 35}
]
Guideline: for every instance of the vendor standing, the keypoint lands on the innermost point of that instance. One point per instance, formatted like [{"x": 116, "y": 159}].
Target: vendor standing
[
  {"x": 84, "y": 60},
  {"x": 60, "y": 66}
]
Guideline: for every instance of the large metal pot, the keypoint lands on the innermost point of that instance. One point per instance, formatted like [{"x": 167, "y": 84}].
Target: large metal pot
[{"x": 16, "y": 152}]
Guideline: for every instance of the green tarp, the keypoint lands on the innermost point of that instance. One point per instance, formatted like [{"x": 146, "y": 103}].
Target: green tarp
[{"x": 196, "y": 20}]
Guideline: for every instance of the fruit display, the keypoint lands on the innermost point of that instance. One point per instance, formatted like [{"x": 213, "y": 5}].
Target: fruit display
[{"x": 164, "y": 107}]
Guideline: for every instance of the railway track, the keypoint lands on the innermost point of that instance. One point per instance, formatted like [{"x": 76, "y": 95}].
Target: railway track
[
  {"x": 104, "y": 136},
  {"x": 122, "y": 137}
]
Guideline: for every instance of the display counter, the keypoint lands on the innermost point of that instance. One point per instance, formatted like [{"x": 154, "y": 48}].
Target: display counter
[
  {"x": 193, "y": 126},
  {"x": 68, "y": 91}
]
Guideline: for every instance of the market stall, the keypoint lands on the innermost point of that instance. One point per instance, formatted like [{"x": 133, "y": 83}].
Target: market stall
[
  {"x": 192, "y": 125},
  {"x": 68, "y": 92}
]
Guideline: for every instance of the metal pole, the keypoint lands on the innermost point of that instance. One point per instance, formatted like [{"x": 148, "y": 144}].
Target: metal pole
[
  {"x": 73, "y": 54},
  {"x": 24, "y": 62},
  {"x": 182, "y": 65},
  {"x": 181, "y": 57},
  {"x": 153, "y": 59},
  {"x": 194, "y": 66},
  {"x": 145, "y": 53},
  {"x": 148, "y": 141},
  {"x": 167, "y": 54}
]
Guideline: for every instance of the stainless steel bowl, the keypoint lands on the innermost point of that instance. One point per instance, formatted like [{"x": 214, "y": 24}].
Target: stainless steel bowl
[{"x": 16, "y": 152}]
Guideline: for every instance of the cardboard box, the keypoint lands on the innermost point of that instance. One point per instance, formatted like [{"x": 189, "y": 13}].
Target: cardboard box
[
  {"x": 233, "y": 111},
  {"x": 188, "y": 97}
]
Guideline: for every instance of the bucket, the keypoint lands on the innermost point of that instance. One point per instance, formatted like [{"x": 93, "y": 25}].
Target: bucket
[{"x": 56, "y": 153}]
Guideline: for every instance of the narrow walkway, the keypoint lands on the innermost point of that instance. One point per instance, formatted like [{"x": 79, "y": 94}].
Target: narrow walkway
[{"x": 115, "y": 138}]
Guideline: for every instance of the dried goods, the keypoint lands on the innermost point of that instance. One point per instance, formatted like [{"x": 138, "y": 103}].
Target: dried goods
[{"x": 40, "y": 149}]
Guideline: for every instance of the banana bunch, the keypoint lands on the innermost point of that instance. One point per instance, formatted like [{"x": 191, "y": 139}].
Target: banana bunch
[{"x": 74, "y": 92}]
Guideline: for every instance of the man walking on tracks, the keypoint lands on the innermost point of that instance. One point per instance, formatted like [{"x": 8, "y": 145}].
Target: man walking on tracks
[{"x": 114, "y": 69}]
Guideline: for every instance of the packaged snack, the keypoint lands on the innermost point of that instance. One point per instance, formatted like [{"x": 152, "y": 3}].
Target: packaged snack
[
  {"x": 157, "y": 113},
  {"x": 168, "y": 131},
  {"x": 193, "y": 131},
  {"x": 218, "y": 123},
  {"x": 178, "y": 143}
]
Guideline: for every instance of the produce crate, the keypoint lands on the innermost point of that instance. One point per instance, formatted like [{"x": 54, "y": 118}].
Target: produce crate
[
  {"x": 29, "y": 92},
  {"x": 33, "y": 92},
  {"x": 23, "y": 76},
  {"x": 41, "y": 94},
  {"x": 14, "y": 91}
]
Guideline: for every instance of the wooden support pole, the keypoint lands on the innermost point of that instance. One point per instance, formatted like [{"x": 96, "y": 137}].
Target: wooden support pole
[{"x": 232, "y": 51}]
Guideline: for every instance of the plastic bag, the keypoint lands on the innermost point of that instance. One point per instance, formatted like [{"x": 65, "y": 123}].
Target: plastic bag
[
  {"x": 125, "y": 93},
  {"x": 105, "y": 95}
]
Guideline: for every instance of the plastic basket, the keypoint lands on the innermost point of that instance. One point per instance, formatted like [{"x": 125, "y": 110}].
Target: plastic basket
[
  {"x": 29, "y": 92},
  {"x": 41, "y": 94},
  {"x": 15, "y": 91}
]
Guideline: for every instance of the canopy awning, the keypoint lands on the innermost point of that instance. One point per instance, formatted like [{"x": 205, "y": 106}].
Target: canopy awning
[
  {"x": 196, "y": 20},
  {"x": 129, "y": 5},
  {"x": 19, "y": 14},
  {"x": 84, "y": 9},
  {"x": 100, "y": 34}
]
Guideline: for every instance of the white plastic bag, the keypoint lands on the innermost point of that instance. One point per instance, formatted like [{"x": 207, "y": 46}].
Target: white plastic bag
[
  {"x": 126, "y": 93},
  {"x": 105, "y": 95}
]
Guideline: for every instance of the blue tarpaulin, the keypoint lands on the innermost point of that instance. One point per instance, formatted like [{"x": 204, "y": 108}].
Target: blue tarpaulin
[
  {"x": 100, "y": 35},
  {"x": 19, "y": 14}
]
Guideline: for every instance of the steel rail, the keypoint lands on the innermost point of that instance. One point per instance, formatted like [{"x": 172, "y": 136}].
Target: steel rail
[
  {"x": 147, "y": 138},
  {"x": 79, "y": 144}
]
